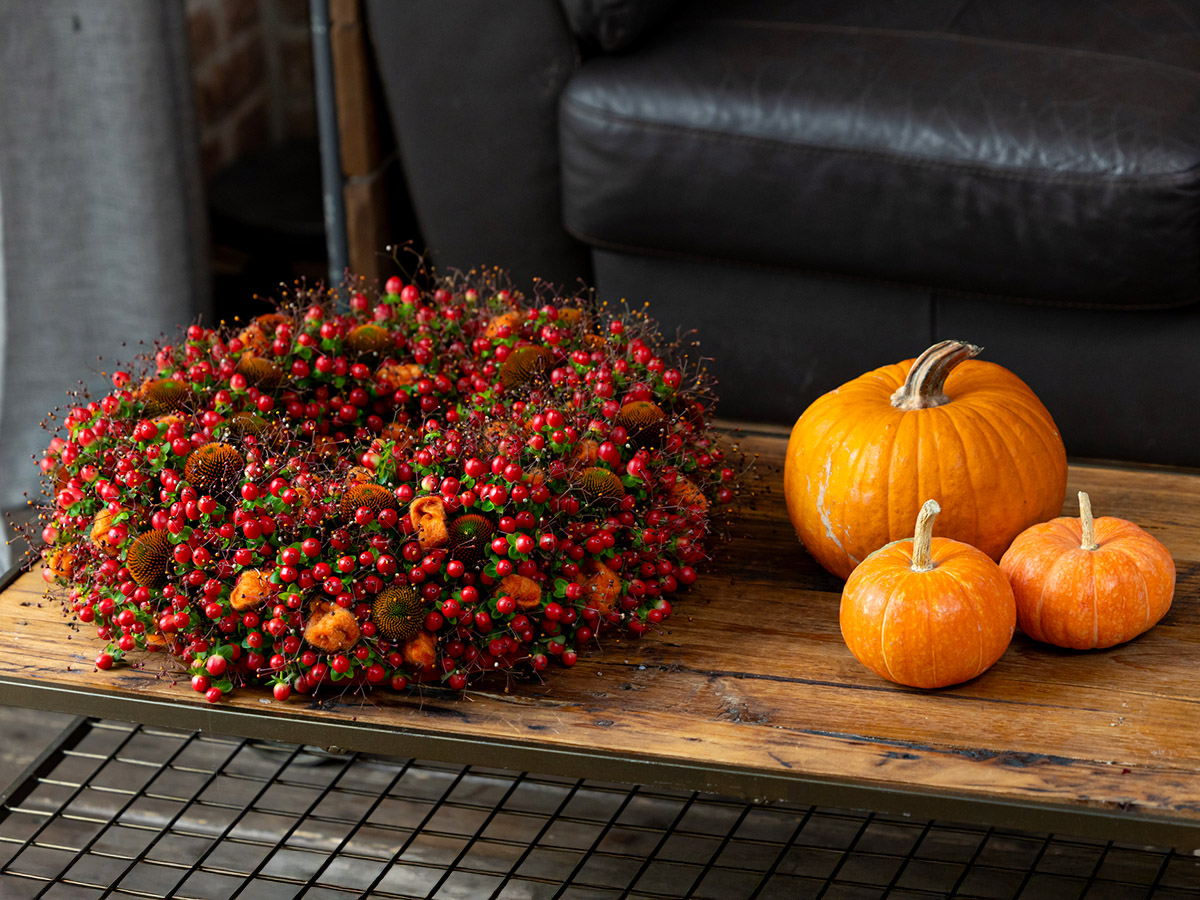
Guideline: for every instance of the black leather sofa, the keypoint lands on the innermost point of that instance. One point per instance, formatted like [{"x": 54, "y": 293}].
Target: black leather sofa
[{"x": 822, "y": 187}]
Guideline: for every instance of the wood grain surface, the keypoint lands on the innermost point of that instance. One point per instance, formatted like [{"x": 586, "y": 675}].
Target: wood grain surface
[{"x": 751, "y": 676}]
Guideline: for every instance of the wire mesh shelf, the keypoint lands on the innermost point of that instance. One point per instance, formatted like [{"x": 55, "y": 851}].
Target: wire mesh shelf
[{"x": 122, "y": 810}]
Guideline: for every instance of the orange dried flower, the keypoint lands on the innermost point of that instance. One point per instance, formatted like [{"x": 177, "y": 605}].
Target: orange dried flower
[
  {"x": 511, "y": 319},
  {"x": 420, "y": 650},
  {"x": 61, "y": 561},
  {"x": 99, "y": 533},
  {"x": 398, "y": 375},
  {"x": 251, "y": 590},
  {"x": 359, "y": 475},
  {"x": 685, "y": 494},
  {"x": 526, "y": 593},
  {"x": 602, "y": 590},
  {"x": 428, "y": 515},
  {"x": 330, "y": 628},
  {"x": 587, "y": 452}
]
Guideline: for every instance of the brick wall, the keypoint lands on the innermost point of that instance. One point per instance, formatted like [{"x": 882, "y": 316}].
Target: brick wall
[{"x": 252, "y": 72}]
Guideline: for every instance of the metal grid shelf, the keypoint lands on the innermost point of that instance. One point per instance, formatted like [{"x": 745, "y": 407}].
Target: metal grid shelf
[{"x": 120, "y": 810}]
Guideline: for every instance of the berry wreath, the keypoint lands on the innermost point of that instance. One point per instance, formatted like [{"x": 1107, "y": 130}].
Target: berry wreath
[{"x": 439, "y": 482}]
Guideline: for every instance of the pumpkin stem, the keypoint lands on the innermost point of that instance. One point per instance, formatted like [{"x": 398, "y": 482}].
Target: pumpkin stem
[
  {"x": 923, "y": 536},
  {"x": 924, "y": 386},
  {"x": 1085, "y": 516}
]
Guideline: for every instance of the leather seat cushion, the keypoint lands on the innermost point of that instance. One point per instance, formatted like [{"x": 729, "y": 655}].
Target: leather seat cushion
[{"x": 1007, "y": 148}]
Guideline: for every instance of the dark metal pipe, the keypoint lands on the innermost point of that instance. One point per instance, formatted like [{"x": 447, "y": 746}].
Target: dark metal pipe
[{"x": 331, "y": 154}]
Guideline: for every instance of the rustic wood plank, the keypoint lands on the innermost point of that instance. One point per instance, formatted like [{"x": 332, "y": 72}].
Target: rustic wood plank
[
  {"x": 368, "y": 224},
  {"x": 751, "y": 675},
  {"x": 357, "y": 106}
]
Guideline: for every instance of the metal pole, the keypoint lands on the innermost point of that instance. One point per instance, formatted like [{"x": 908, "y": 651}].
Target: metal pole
[{"x": 331, "y": 155}]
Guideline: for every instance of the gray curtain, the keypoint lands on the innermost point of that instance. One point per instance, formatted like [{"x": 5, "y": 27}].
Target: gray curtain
[{"x": 101, "y": 216}]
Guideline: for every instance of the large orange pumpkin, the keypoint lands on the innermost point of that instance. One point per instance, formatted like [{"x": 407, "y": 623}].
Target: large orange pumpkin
[
  {"x": 966, "y": 433},
  {"x": 1087, "y": 583},
  {"x": 927, "y": 612}
]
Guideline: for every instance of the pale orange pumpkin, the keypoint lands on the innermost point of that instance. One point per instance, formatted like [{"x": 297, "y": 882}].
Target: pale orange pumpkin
[
  {"x": 966, "y": 433},
  {"x": 1087, "y": 583},
  {"x": 927, "y": 612}
]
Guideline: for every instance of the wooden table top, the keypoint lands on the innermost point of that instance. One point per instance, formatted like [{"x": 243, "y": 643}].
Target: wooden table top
[{"x": 749, "y": 690}]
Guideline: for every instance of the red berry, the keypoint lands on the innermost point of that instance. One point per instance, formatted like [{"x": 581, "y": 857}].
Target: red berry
[
  {"x": 216, "y": 666},
  {"x": 213, "y": 695},
  {"x": 282, "y": 691},
  {"x": 104, "y": 661}
]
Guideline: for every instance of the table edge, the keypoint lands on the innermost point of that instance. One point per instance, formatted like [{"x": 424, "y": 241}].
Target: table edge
[{"x": 1128, "y": 826}]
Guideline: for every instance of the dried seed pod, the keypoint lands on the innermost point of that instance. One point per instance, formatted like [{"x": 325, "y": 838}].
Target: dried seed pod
[
  {"x": 469, "y": 536},
  {"x": 148, "y": 557},
  {"x": 642, "y": 420},
  {"x": 373, "y": 496},
  {"x": 214, "y": 468},
  {"x": 525, "y": 364},
  {"x": 260, "y": 372},
  {"x": 369, "y": 338},
  {"x": 601, "y": 484},
  {"x": 398, "y": 612},
  {"x": 241, "y": 424},
  {"x": 164, "y": 395}
]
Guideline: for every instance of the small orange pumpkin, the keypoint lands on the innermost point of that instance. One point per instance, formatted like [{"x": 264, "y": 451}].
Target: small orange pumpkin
[
  {"x": 1087, "y": 583},
  {"x": 927, "y": 612},
  {"x": 966, "y": 433}
]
